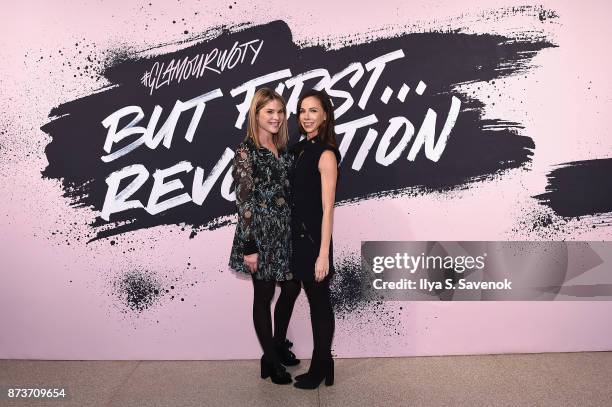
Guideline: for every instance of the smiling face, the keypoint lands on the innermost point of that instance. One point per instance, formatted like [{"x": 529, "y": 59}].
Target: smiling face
[
  {"x": 311, "y": 115},
  {"x": 270, "y": 117}
]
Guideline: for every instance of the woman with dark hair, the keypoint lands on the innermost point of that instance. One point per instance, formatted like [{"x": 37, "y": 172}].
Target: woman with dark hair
[
  {"x": 313, "y": 184},
  {"x": 262, "y": 242}
]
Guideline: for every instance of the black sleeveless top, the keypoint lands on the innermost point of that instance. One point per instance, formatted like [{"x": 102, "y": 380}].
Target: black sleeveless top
[{"x": 307, "y": 207}]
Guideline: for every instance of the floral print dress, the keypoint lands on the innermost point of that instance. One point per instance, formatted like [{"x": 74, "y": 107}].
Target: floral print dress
[{"x": 264, "y": 214}]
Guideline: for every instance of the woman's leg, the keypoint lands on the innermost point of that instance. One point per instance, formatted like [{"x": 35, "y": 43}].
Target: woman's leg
[
  {"x": 284, "y": 309},
  {"x": 322, "y": 319},
  {"x": 262, "y": 319}
]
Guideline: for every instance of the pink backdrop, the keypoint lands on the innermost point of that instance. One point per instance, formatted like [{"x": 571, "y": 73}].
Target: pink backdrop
[{"x": 57, "y": 299}]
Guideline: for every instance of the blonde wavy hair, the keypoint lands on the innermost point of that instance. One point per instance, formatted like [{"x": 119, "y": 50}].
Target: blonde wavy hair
[{"x": 261, "y": 98}]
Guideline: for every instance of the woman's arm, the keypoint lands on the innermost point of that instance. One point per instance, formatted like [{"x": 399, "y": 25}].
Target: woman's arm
[
  {"x": 328, "y": 167},
  {"x": 243, "y": 175}
]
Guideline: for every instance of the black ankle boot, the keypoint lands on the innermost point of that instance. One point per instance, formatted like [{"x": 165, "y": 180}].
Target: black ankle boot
[
  {"x": 323, "y": 370},
  {"x": 286, "y": 357},
  {"x": 276, "y": 372}
]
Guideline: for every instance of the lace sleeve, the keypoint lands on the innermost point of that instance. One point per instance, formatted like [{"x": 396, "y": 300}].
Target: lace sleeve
[{"x": 243, "y": 176}]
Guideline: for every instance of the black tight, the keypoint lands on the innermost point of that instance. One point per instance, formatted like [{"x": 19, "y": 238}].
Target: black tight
[
  {"x": 262, "y": 319},
  {"x": 321, "y": 318}
]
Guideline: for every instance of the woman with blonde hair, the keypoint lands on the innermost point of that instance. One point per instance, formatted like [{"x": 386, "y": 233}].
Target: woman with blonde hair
[{"x": 262, "y": 242}]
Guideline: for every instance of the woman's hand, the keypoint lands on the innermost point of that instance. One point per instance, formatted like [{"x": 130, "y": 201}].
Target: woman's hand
[
  {"x": 321, "y": 268},
  {"x": 250, "y": 260}
]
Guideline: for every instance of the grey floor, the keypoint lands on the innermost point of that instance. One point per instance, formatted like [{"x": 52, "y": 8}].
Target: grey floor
[{"x": 552, "y": 379}]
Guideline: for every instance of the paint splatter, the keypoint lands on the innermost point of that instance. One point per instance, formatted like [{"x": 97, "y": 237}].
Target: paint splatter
[
  {"x": 138, "y": 290},
  {"x": 350, "y": 287},
  {"x": 354, "y": 299}
]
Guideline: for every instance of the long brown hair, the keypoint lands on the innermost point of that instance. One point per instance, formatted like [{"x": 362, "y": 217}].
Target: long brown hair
[
  {"x": 261, "y": 98},
  {"x": 326, "y": 131}
]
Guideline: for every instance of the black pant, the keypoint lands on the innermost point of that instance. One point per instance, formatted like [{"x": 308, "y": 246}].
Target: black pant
[
  {"x": 262, "y": 297},
  {"x": 322, "y": 320}
]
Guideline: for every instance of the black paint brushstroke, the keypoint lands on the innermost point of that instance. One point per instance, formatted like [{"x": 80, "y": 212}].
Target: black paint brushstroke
[
  {"x": 476, "y": 148},
  {"x": 579, "y": 188}
]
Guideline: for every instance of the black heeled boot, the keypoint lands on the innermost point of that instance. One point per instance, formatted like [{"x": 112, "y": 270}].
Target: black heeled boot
[
  {"x": 286, "y": 357},
  {"x": 323, "y": 370},
  {"x": 276, "y": 372}
]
